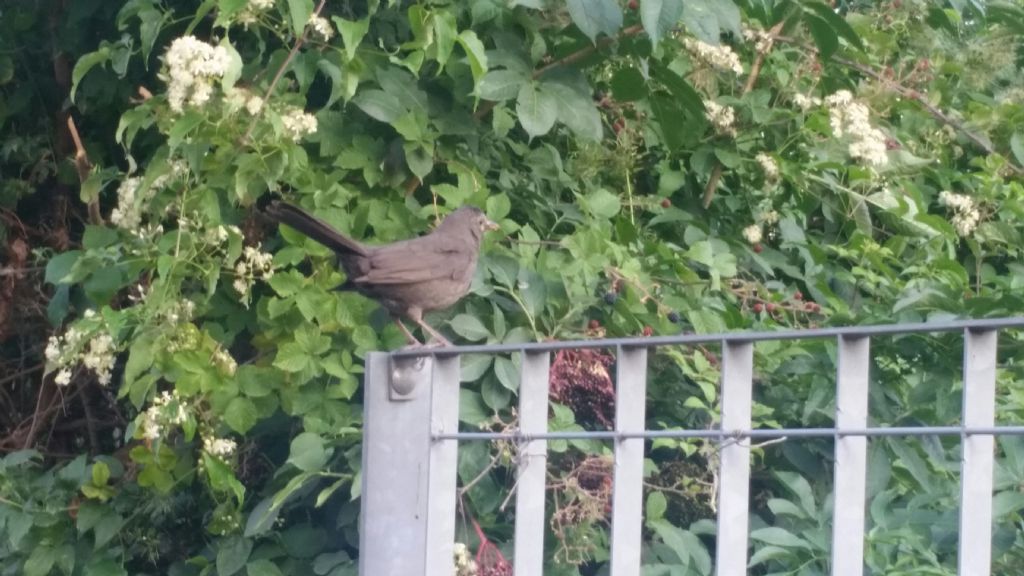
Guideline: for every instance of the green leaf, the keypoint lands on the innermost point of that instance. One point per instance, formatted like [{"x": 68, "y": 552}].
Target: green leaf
[
  {"x": 824, "y": 37},
  {"x": 232, "y": 555},
  {"x": 537, "y": 110},
  {"x": 419, "y": 158},
  {"x": 140, "y": 358},
  {"x": 98, "y": 237},
  {"x": 575, "y": 107},
  {"x": 352, "y": 34},
  {"x": 308, "y": 452},
  {"x": 628, "y": 85},
  {"x": 58, "y": 269},
  {"x": 445, "y": 32},
  {"x": 500, "y": 85},
  {"x": 1017, "y": 146},
  {"x": 40, "y": 561},
  {"x": 241, "y": 414},
  {"x": 234, "y": 69},
  {"x": 222, "y": 478},
  {"x": 85, "y": 63},
  {"x": 595, "y": 17},
  {"x": 299, "y": 11},
  {"x": 659, "y": 17},
  {"x": 656, "y": 506},
  {"x": 106, "y": 529},
  {"x": 673, "y": 537},
  {"x": 835, "y": 22},
  {"x": 476, "y": 54},
  {"x": 6, "y": 69},
  {"x": 469, "y": 327},
  {"x": 779, "y": 537},
  {"x": 507, "y": 373},
  {"x": 262, "y": 568},
  {"x": 100, "y": 474},
  {"x": 379, "y": 105},
  {"x": 602, "y": 203}
]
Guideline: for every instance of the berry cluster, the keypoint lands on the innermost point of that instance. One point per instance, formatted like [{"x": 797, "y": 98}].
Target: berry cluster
[{"x": 581, "y": 380}]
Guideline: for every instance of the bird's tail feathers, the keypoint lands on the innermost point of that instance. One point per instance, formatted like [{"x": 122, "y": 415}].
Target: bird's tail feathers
[{"x": 313, "y": 227}]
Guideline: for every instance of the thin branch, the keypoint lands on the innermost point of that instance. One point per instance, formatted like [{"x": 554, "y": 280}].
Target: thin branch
[
  {"x": 755, "y": 71},
  {"x": 280, "y": 71},
  {"x": 84, "y": 167}
]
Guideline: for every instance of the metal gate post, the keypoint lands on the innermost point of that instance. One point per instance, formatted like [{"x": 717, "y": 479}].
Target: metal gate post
[{"x": 407, "y": 518}]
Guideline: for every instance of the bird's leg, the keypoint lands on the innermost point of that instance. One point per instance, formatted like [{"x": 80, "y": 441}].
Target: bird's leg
[
  {"x": 408, "y": 335},
  {"x": 417, "y": 317}
]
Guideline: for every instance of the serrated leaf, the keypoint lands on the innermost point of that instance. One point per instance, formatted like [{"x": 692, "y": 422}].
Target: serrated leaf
[
  {"x": 476, "y": 54},
  {"x": 299, "y": 11},
  {"x": 262, "y": 568},
  {"x": 537, "y": 110},
  {"x": 86, "y": 63},
  {"x": 379, "y": 105},
  {"x": 232, "y": 555},
  {"x": 241, "y": 414},
  {"x": 352, "y": 34},
  {"x": 308, "y": 452},
  {"x": 779, "y": 537},
  {"x": 835, "y": 22},
  {"x": 500, "y": 85},
  {"x": 469, "y": 327},
  {"x": 575, "y": 108},
  {"x": 824, "y": 37},
  {"x": 595, "y": 17},
  {"x": 659, "y": 17}
]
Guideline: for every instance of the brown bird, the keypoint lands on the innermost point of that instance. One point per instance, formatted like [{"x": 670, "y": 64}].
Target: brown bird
[{"x": 409, "y": 277}]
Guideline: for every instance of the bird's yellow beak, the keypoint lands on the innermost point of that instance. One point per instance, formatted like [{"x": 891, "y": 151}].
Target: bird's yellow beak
[{"x": 490, "y": 225}]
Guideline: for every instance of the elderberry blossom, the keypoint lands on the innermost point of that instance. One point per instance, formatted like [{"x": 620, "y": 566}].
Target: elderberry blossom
[
  {"x": 718, "y": 57},
  {"x": 966, "y": 215},
  {"x": 852, "y": 118},
  {"x": 761, "y": 39},
  {"x": 320, "y": 26},
  {"x": 298, "y": 123},
  {"x": 251, "y": 265},
  {"x": 805, "y": 102},
  {"x": 768, "y": 165},
  {"x": 252, "y": 10},
  {"x": 465, "y": 565},
  {"x": 94, "y": 350},
  {"x": 192, "y": 66},
  {"x": 167, "y": 410},
  {"x": 220, "y": 448},
  {"x": 753, "y": 234},
  {"x": 723, "y": 118}
]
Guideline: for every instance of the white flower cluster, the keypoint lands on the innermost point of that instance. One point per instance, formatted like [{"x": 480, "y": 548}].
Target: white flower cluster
[
  {"x": 226, "y": 362},
  {"x": 722, "y": 117},
  {"x": 965, "y": 213},
  {"x": 769, "y": 217},
  {"x": 96, "y": 354},
  {"x": 132, "y": 200},
  {"x": 465, "y": 565},
  {"x": 221, "y": 448},
  {"x": 180, "y": 311},
  {"x": 768, "y": 165},
  {"x": 250, "y": 265},
  {"x": 805, "y": 102},
  {"x": 762, "y": 40},
  {"x": 320, "y": 26},
  {"x": 239, "y": 98},
  {"x": 718, "y": 57},
  {"x": 849, "y": 117},
  {"x": 298, "y": 123},
  {"x": 221, "y": 234},
  {"x": 166, "y": 410},
  {"x": 252, "y": 10},
  {"x": 753, "y": 234},
  {"x": 192, "y": 65}
]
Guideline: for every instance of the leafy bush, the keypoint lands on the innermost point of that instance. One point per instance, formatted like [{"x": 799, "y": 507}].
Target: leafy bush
[{"x": 186, "y": 382}]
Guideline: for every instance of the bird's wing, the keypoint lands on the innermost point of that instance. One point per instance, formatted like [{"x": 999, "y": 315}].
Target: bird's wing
[{"x": 418, "y": 260}]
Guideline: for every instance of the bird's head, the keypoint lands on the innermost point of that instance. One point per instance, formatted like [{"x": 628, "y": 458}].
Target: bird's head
[{"x": 469, "y": 218}]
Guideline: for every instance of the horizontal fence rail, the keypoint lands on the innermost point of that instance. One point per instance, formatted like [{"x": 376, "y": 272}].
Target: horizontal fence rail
[{"x": 411, "y": 438}]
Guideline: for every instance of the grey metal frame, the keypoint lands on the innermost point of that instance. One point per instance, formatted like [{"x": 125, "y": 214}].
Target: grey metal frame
[{"x": 411, "y": 437}]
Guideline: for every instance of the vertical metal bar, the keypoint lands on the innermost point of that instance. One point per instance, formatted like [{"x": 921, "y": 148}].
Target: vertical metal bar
[
  {"x": 734, "y": 470},
  {"x": 533, "y": 457},
  {"x": 977, "y": 453},
  {"x": 627, "y": 487},
  {"x": 396, "y": 455},
  {"x": 444, "y": 462},
  {"x": 851, "y": 457}
]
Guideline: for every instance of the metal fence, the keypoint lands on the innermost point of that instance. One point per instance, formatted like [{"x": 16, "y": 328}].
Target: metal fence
[{"x": 411, "y": 438}]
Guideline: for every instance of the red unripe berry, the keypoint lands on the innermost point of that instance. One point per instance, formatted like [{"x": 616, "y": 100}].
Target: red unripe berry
[
  {"x": 798, "y": 296},
  {"x": 770, "y": 307},
  {"x": 633, "y": 4},
  {"x": 594, "y": 324},
  {"x": 648, "y": 331},
  {"x": 758, "y": 307},
  {"x": 758, "y": 248},
  {"x": 666, "y": 203}
]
